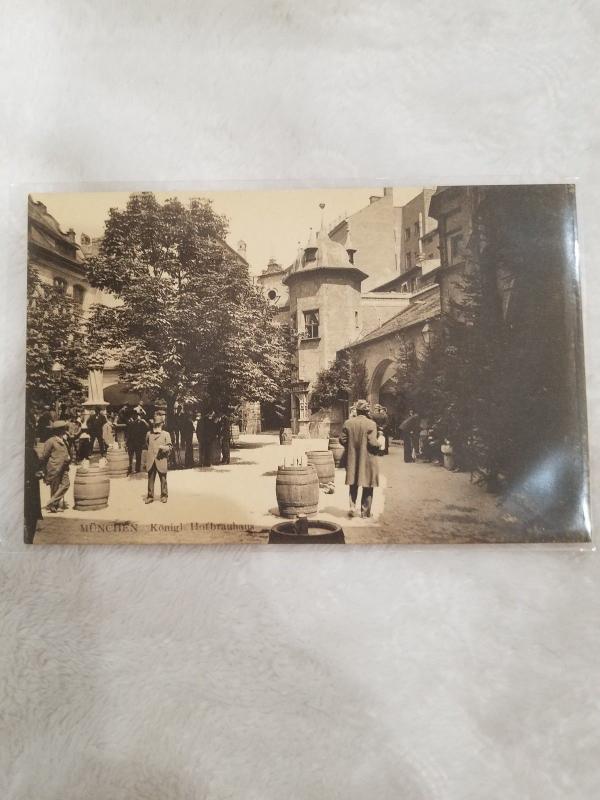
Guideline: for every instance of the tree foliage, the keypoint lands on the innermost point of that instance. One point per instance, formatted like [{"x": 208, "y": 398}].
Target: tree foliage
[
  {"x": 54, "y": 339},
  {"x": 344, "y": 379},
  {"x": 493, "y": 377},
  {"x": 189, "y": 325}
]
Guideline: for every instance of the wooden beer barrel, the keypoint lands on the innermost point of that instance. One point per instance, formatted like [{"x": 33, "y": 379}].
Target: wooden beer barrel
[
  {"x": 317, "y": 532},
  {"x": 92, "y": 487},
  {"x": 286, "y": 436},
  {"x": 234, "y": 436},
  {"x": 324, "y": 464},
  {"x": 118, "y": 462},
  {"x": 297, "y": 490},
  {"x": 336, "y": 450}
]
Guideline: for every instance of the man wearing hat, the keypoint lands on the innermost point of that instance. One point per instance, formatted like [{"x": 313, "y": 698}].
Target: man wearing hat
[
  {"x": 359, "y": 439},
  {"x": 159, "y": 447},
  {"x": 55, "y": 462},
  {"x": 135, "y": 437}
]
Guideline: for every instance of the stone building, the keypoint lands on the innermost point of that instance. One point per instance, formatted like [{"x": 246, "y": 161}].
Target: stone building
[{"x": 57, "y": 257}]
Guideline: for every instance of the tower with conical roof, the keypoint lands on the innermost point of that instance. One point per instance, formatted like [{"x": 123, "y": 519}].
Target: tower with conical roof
[{"x": 325, "y": 309}]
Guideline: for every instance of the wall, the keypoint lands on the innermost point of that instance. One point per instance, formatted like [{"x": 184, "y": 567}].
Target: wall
[
  {"x": 377, "y": 308},
  {"x": 337, "y": 297},
  {"x": 372, "y": 233}
]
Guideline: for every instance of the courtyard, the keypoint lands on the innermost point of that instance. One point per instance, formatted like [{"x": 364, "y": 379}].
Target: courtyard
[{"x": 235, "y": 503}]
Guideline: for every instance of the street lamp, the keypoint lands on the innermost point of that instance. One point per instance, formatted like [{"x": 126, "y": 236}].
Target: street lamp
[
  {"x": 427, "y": 333},
  {"x": 57, "y": 369}
]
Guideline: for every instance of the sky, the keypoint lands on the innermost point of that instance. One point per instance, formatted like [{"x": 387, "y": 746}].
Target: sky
[{"x": 271, "y": 222}]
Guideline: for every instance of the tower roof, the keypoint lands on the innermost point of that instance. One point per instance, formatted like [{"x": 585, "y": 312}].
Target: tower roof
[{"x": 323, "y": 253}]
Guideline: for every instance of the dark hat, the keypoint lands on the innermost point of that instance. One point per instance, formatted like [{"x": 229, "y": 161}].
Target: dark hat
[{"x": 362, "y": 405}]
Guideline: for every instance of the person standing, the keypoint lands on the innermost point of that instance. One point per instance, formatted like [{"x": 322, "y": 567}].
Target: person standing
[
  {"x": 73, "y": 431},
  {"x": 359, "y": 440},
  {"x": 186, "y": 428},
  {"x": 95, "y": 424},
  {"x": 135, "y": 440},
  {"x": 108, "y": 434},
  {"x": 410, "y": 429},
  {"x": 382, "y": 421},
  {"x": 206, "y": 432},
  {"x": 55, "y": 462},
  {"x": 83, "y": 444},
  {"x": 224, "y": 436},
  {"x": 159, "y": 447}
]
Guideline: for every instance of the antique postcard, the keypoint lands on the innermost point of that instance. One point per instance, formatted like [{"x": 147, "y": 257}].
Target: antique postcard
[{"x": 364, "y": 366}]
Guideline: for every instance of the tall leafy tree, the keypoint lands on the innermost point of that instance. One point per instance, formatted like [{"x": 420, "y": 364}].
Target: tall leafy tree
[
  {"x": 56, "y": 356},
  {"x": 188, "y": 324}
]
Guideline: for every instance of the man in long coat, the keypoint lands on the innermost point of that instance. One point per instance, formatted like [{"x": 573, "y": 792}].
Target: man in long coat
[
  {"x": 159, "y": 447},
  {"x": 55, "y": 462},
  {"x": 359, "y": 439}
]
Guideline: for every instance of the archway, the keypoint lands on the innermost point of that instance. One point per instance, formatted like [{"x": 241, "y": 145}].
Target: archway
[{"x": 383, "y": 377}]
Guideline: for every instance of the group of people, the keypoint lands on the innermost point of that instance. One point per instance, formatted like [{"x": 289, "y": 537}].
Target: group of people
[{"x": 73, "y": 440}]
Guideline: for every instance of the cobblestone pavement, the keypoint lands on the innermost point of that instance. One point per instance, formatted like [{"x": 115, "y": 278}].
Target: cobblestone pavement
[{"x": 415, "y": 503}]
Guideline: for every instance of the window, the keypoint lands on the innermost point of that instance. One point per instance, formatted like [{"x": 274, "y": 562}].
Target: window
[
  {"x": 455, "y": 248},
  {"x": 272, "y": 294},
  {"x": 311, "y": 324},
  {"x": 408, "y": 260},
  {"x": 78, "y": 294},
  {"x": 60, "y": 284},
  {"x": 417, "y": 230}
]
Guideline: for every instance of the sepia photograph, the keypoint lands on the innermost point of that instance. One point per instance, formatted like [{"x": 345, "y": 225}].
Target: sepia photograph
[{"x": 383, "y": 365}]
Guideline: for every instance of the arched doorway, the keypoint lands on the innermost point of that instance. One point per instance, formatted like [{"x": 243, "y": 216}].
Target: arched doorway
[{"x": 382, "y": 381}]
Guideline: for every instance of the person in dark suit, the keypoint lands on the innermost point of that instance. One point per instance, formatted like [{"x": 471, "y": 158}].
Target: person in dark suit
[
  {"x": 359, "y": 439},
  {"x": 206, "y": 431},
  {"x": 135, "y": 439},
  {"x": 186, "y": 429},
  {"x": 95, "y": 423},
  {"x": 224, "y": 437},
  {"x": 410, "y": 429}
]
